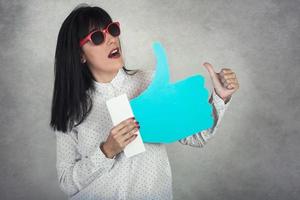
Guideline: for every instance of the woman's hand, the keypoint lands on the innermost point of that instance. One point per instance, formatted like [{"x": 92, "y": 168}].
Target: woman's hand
[
  {"x": 225, "y": 82},
  {"x": 119, "y": 137}
]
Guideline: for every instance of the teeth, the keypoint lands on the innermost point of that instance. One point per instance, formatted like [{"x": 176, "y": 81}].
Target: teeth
[{"x": 114, "y": 51}]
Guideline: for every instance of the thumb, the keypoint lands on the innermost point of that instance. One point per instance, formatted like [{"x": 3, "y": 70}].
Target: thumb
[{"x": 211, "y": 71}]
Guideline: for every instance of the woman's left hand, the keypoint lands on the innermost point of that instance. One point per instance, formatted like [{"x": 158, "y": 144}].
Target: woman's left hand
[{"x": 225, "y": 82}]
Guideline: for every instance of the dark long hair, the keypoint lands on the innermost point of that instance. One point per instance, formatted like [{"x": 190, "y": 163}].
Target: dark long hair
[{"x": 72, "y": 100}]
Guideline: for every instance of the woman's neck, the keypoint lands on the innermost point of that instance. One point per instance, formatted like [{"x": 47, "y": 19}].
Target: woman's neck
[{"x": 104, "y": 77}]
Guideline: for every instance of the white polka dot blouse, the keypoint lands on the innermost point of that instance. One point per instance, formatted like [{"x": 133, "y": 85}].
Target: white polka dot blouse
[{"x": 85, "y": 173}]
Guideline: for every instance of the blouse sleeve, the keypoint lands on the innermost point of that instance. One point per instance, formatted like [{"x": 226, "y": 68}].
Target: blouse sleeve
[
  {"x": 201, "y": 138},
  {"x": 74, "y": 172}
]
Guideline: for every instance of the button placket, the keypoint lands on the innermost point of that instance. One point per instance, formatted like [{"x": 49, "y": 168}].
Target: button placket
[
  {"x": 110, "y": 91},
  {"x": 115, "y": 91}
]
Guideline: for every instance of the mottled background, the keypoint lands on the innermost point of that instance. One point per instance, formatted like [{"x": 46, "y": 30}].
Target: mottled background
[{"x": 255, "y": 154}]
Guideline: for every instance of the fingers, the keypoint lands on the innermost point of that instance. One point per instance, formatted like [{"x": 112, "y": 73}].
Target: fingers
[
  {"x": 124, "y": 123},
  {"x": 213, "y": 75},
  {"x": 130, "y": 134},
  {"x": 125, "y": 130},
  {"x": 228, "y": 75},
  {"x": 130, "y": 139},
  {"x": 210, "y": 70},
  {"x": 234, "y": 86},
  {"x": 226, "y": 71},
  {"x": 228, "y": 78},
  {"x": 231, "y": 86},
  {"x": 121, "y": 135},
  {"x": 128, "y": 128}
]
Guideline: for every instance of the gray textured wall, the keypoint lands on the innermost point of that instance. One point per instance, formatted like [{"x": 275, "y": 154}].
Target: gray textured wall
[{"x": 255, "y": 154}]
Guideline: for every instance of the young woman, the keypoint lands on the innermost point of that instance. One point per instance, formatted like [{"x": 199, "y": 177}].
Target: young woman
[{"x": 89, "y": 69}]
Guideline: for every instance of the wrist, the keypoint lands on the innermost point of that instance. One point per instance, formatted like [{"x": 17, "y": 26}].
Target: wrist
[
  {"x": 227, "y": 99},
  {"x": 106, "y": 150}
]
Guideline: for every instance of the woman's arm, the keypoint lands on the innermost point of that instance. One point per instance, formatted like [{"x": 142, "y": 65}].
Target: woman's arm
[
  {"x": 201, "y": 138},
  {"x": 74, "y": 171}
]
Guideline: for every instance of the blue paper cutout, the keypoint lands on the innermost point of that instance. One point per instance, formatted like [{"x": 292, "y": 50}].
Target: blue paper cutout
[{"x": 168, "y": 111}]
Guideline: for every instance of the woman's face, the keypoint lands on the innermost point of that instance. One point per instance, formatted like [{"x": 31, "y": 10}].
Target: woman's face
[{"x": 97, "y": 56}]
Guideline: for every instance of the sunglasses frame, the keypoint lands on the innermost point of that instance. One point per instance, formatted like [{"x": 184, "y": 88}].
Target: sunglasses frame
[{"x": 104, "y": 31}]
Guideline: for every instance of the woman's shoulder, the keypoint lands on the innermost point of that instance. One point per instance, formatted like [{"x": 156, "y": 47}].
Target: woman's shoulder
[
  {"x": 142, "y": 78},
  {"x": 145, "y": 75}
]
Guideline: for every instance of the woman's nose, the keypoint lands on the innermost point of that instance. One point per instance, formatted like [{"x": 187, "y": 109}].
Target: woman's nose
[{"x": 111, "y": 39}]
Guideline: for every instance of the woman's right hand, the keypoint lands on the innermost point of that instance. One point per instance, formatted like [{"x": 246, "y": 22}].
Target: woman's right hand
[{"x": 119, "y": 137}]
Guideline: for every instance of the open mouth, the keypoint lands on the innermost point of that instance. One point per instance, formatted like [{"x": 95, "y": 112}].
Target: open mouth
[{"x": 114, "y": 53}]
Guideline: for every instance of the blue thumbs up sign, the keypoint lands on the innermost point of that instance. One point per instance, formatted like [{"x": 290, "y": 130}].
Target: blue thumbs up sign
[{"x": 168, "y": 112}]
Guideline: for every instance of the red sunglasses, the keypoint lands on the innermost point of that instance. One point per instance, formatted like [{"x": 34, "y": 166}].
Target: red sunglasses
[{"x": 98, "y": 36}]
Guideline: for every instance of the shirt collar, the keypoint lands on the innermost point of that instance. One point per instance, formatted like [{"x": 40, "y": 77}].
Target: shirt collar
[{"x": 116, "y": 81}]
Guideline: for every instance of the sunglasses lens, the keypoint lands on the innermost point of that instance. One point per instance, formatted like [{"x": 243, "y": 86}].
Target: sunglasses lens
[
  {"x": 114, "y": 29},
  {"x": 97, "y": 37}
]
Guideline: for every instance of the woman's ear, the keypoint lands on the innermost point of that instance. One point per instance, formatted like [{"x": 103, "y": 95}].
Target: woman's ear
[{"x": 82, "y": 58}]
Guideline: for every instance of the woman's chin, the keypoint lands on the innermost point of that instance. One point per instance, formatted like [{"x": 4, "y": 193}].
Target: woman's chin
[{"x": 119, "y": 65}]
